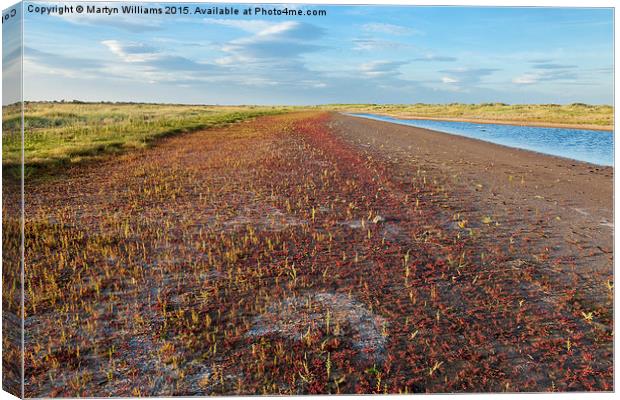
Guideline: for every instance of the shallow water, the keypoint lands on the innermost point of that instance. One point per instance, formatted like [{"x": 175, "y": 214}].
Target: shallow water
[{"x": 596, "y": 147}]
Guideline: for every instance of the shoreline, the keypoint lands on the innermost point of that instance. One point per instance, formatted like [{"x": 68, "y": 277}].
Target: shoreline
[
  {"x": 497, "y": 122},
  {"x": 504, "y": 179},
  {"x": 485, "y": 142}
]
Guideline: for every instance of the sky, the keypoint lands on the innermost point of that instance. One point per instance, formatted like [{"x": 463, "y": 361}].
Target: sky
[
  {"x": 12, "y": 58},
  {"x": 354, "y": 54}
]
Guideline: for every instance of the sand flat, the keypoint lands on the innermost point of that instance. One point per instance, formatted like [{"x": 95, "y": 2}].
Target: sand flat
[{"x": 519, "y": 186}]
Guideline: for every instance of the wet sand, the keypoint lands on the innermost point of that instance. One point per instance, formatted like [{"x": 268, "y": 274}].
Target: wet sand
[{"x": 572, "y": 201}]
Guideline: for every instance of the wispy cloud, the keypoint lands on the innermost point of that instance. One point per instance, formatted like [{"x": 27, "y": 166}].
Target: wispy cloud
[
  {"x": 375, "y": 69},
  {"x": 546, "y": 76},
  {"x": 449, "y": 80},
  {"x": 435, "y": 58},
  {"x": 370, "y": 44},
  {"x": 11, "y": 56},
  {"x": 269, "y": 57},
  {"x": 526, "y": 79},
  {"x": 540, "y": 60},
  {"x": 274, "y": 43},
  {"x": 51, "y": 63},
  {"x": 548, "y": 71},
  {"x": 362, "y": 54},
  {"x": 390, "y": 29},
  {"x": 466, "y": 76},
  {"x": 60, "y": 61},
  {"x": 152, "y": 58},
  {"x": 553, "y": 66},
  {"x": 131, "y": 52},
  {"x": 137, "y": 60}
]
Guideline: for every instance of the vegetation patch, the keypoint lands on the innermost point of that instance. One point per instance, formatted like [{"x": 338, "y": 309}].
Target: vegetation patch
[
  {"x": 576, "y": 114},
  {"x": 273, "y": 257},
  {"x": 58, "y": 134}
]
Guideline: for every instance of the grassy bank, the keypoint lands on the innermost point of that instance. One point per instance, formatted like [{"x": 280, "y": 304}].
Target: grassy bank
[
  {"x": 576, "y": 114},
  {"x": 57, "y": 133}
]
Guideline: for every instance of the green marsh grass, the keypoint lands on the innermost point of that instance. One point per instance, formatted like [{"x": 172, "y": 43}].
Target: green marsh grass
[{"x": 57, "y": 133}]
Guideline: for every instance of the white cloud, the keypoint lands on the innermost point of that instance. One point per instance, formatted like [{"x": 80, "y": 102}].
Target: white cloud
[
  {"x": 374, "y": 69},
  {"x": 449, "y": 80},
  {"x": 553, "y": 66},
  {"x": 276, "y": 44},
  {"x": 44, "y": 63},
  {"x": 526, "y": 79},
  {"x": 391, "y": 29},
  {"x": 131, "y": 52},
  {"x": 435, "y": 58},
  {"x": 466, "y": 76},
  {"x": 151, "y": 64},
  {"x": 565, "y": 74},
  {"x": 368, "y": 44}
]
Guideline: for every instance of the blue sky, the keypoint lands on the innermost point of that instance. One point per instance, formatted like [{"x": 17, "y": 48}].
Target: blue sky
[
  {"x": 365, "y": 54},
  {"x": 11, "y": 58}
]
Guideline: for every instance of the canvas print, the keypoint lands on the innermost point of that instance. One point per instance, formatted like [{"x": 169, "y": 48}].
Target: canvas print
[{"x": 289, "y": 199}]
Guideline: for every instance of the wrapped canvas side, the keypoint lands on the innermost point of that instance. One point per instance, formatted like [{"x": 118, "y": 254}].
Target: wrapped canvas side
[{"x": 12, "y": 202}]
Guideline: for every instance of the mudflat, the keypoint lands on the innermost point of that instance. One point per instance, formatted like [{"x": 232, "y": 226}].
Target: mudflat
[
  {"x": 319, "y": 253},
  {"x": 573, "y": 199}
]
